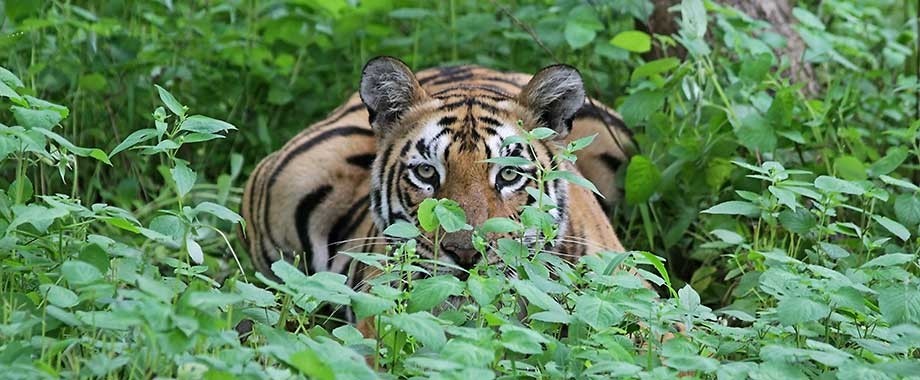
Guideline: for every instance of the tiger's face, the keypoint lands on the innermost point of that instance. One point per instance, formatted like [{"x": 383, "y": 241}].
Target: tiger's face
[{"x": 436, "y": 146}]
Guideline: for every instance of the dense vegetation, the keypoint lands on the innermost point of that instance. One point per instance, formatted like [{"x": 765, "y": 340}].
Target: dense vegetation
[{"x": 783, "y": 227}]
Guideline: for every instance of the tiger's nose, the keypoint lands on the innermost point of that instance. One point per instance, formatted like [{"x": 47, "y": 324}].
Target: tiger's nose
[{"x": 465, "y": 257}]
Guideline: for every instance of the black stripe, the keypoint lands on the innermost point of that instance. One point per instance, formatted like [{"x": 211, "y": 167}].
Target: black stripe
[
  {"x": 346, "y": 225},
  {"x": 491, "y": 121},
  {"x": 591, "y": 111},
  {"x": 457, "y": 77},
  {"x": 447, "y": 121},
  {"x": 302, "y": 220},
  {"x": 364, "y": 161},
  {"x": 346, "y": 112},
  {"x": 314, "y": 140},
  {"x": 445, "y": 72},
  {"x": 310, "y": 143},
  {"x": 505, "y": 80},
  {"x": 610, "y": 161}
]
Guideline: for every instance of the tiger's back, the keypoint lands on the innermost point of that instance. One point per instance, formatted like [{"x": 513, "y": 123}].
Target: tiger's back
[{"x": 311, "y": 197}]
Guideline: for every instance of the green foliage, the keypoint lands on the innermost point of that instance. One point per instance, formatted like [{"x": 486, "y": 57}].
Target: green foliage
[{"x": 787, "y": 223}]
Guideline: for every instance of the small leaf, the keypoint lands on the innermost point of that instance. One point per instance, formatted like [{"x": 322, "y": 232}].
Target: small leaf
[
  {"x": 365, "y": 305},
  {"x": 895, "y": 157},
  {"x": 194, "y": 250},
  {"x": 451, "y": 216},
  {"x": 795, "y": 310},
  {"x": 500, "y": 226},
  {"x": 421, "y": 326},
  {"x": 133, "y": 139},
  {"x": 426, "y": 216},
  {"x": 171, "y": 102},
  {"x": 654, "y": 68},
  {"x": 639, "y": 105},
  {"x": 900, "y": 304},
  {"x": 403, "y": 230},
  {"x": 430, "y": 292},
  {"x": 572, "y": 178},
  {"x": 220, "y": 212},
  {"x": 642, "y": 179},
  {"x": 837, "y": 185},
  {"x": 509, "y": 161},
  {"x": 183, "y": 177},
  {"x": 308, "y": 363},
  {"x": 894, "y": 227},
  {"x": 204, "y": 124},
  {"x": 598, "y": 313},
  {"x": 633, "y": 40},
  {"x": 59, "y": 296},
  {"x": 522, "y": 340},
  {"x": 80, "y": 272},
  {"x": 734, "y": 208}
]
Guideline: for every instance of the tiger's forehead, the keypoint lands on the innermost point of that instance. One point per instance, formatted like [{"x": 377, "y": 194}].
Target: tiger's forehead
[{"x": 466, "y": 121}]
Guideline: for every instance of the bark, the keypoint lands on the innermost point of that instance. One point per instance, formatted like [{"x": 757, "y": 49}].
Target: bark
[{"x": 777, "y": 13}]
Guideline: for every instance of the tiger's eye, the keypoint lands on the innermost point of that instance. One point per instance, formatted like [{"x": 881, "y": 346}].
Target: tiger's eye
[
  {"x": 508, "y": 175},
  {"x": 425, "y": 171}
]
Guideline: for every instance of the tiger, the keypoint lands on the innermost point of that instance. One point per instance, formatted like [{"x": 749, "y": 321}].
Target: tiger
[{"x": 404, "y": 137}]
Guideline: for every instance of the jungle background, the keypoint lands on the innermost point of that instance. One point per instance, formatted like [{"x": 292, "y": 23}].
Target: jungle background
[{"x": 775, "y": 181}]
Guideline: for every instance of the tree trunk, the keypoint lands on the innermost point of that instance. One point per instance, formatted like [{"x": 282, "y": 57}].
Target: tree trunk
[{"x": 777, "y": 13}]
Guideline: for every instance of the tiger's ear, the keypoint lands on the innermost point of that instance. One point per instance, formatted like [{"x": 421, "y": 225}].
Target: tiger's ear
[
  {"x": 555, "y": 94},
  {"x": 388, "y": 89}
]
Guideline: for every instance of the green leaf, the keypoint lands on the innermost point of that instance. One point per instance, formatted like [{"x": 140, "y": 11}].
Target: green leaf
[
  {"x": 9, "y": 78},
  {"x": 655, "y": 67},
  {"x": 421, "y": 326},
  {"x": 220, "y": 212},
  {"x": 849, "y": 168},
  {"x": 900, "y": 304},
  {"x": 59, "y": 296},
  {"x": 70, "y": 147},
  {"x": 837, "y": 185},
  {"x": 403, "y": 230},
  {"x": 756, "y": 134},
  {"x": 522, "y": 340},
  {"x": 754, "y": 70},
  {"x": 693, "y": 18},
  {"x": 204, "y": 124},
  {"x": 581, "y": 143},
  {"x": 542, "y": 133},
  {"x": 899, "y": 183},
  {"x": 430, "y": 292},
  {"x": 183, "y": 177},
  {"x": 633, "y": 40},
  {"x": 308, "y": 363},
  {"x": 484, "y": 289},
  {"x": 795, "y": 310},
  {"x": 800, "y": 221},
  {"x": 451, "y": 216},
  {"x": 734, "y": 208},
  {"x": 807, "y": 18},
  {"x": 640, "y": 104},
  {"x": 907, "y": 209},
  {"x": 133, "y": 139},
  {"x": 581, "y": 26},
  {"x": 572, "y": 178},
  {"x": 536, "y": 296},
  {"x": 80, "y": 272},
  {"x": 194, "y": 250},
  {"x": 7, "y": 91},
  {"x": 642, "y": 179},
  {"x": 509, "y": 161},
  {"x": 426, "y": 216},
  {"x": 365, "y": 305},
  {"x": 894, "y": 227},
  {"x": 41, "y": 119},
  {"x": 598, "y": 313},
  {"x": 888, "y": 260},
  {"x": 170, "y": 101},
  {"x": 895, "y": 157},
  {"x": 500, "y": 226}
]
